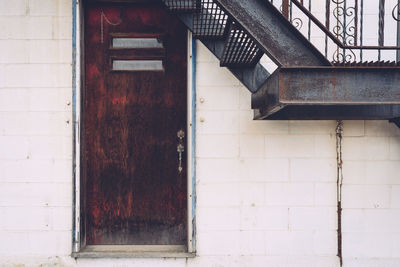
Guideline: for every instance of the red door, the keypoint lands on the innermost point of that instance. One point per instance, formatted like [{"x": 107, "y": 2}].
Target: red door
[{"x": 134, "y": 105}]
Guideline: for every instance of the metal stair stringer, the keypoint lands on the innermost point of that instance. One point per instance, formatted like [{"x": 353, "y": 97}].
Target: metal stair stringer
[
  {"x": 252, "y": 77},
  {"x": 279, "y": 39}
]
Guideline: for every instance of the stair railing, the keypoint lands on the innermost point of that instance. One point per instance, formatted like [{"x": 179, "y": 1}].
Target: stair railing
[{"x": 353, "y": 31}]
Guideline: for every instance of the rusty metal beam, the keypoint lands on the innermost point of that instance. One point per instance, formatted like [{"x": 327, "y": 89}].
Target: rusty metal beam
[
  {"x": 284, "y": 44},
  {"x": 329, "y": 93},
  {"x": 334, "y": 112}
]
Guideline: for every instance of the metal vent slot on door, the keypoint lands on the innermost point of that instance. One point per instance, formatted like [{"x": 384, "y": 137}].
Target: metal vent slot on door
[
  {"x": 137, "y": 65},
  {"x": 137, "y": 52},
  {"x": 136, "y": 43},
  {"x": 182, "y": 5}
]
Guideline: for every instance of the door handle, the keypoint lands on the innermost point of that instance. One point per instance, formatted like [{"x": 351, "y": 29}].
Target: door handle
[{"x": 180, "y": 148}]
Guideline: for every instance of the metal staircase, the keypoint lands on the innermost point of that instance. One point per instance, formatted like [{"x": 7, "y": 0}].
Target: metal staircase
[
  {"x": 312, "y": 81},
  {"x": 226, "y": 39}
]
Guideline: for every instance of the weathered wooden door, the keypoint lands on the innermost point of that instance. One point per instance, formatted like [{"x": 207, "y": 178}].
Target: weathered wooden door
[{"x": 134, "y": 119}]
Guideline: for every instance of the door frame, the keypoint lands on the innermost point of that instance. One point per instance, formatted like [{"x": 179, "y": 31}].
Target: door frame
[{"x": 78, "y": 81}]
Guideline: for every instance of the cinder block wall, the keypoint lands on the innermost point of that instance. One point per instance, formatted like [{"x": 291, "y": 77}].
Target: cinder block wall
[
  {"x": 266, "y": 189},
  {"x": 35, "y": 129},
  {"x": 371, "y": 194}
]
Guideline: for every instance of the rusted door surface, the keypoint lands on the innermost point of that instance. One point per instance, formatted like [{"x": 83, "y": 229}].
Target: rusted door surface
[{"x": 134, "y": 104}]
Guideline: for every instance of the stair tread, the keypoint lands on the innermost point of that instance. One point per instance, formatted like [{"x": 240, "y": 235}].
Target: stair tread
[
  {"x": 210, "y": 21},
  {"x": 240, "y": 49},
  {"x": 368, "y": 64}
]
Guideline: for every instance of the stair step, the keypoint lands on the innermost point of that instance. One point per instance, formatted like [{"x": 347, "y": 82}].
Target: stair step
[
  {"x": 182, "y": 6},
  {"x": 210, "y": 22},
  {"x": 240, "y": 49},
  {"x": 252, "y": 77}
]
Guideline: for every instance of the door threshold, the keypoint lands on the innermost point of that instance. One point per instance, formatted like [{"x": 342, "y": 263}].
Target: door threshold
[{"x": 133, "y": 251}]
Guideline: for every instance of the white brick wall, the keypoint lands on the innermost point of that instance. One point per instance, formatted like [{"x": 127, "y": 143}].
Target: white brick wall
[
  {"x": 35, "y": 138},
  {"x": 266, "y": 189},
  {"x": 370, "y": 195}
]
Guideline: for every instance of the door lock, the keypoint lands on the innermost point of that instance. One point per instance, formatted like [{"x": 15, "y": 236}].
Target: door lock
[{"x": 180, "y": 148}]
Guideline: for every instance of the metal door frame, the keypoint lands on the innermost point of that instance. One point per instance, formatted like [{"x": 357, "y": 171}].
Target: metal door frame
[{"x": 78, "y": 77}]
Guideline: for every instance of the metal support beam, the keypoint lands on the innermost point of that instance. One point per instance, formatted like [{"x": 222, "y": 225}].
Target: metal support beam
[
  {"x": 333, "y": 89},
  {"x": 332, "y": 112},
  {"x": 285, "y": 45},
  {"x": 251, "y": 77}
]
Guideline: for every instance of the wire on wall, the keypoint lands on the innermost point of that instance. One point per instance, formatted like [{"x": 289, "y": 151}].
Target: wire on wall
[{"x": 339, "y": 137}]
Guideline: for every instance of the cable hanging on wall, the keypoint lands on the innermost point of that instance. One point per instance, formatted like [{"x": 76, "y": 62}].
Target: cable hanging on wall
[
  {"x": 339, "y": 137},
  {"x": 104, "y": 18}
]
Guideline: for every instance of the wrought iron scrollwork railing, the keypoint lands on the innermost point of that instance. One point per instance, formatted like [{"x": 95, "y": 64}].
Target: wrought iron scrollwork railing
[
  {"x": 348, "y": 31},
  {"x": 396, "y": 12}
]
